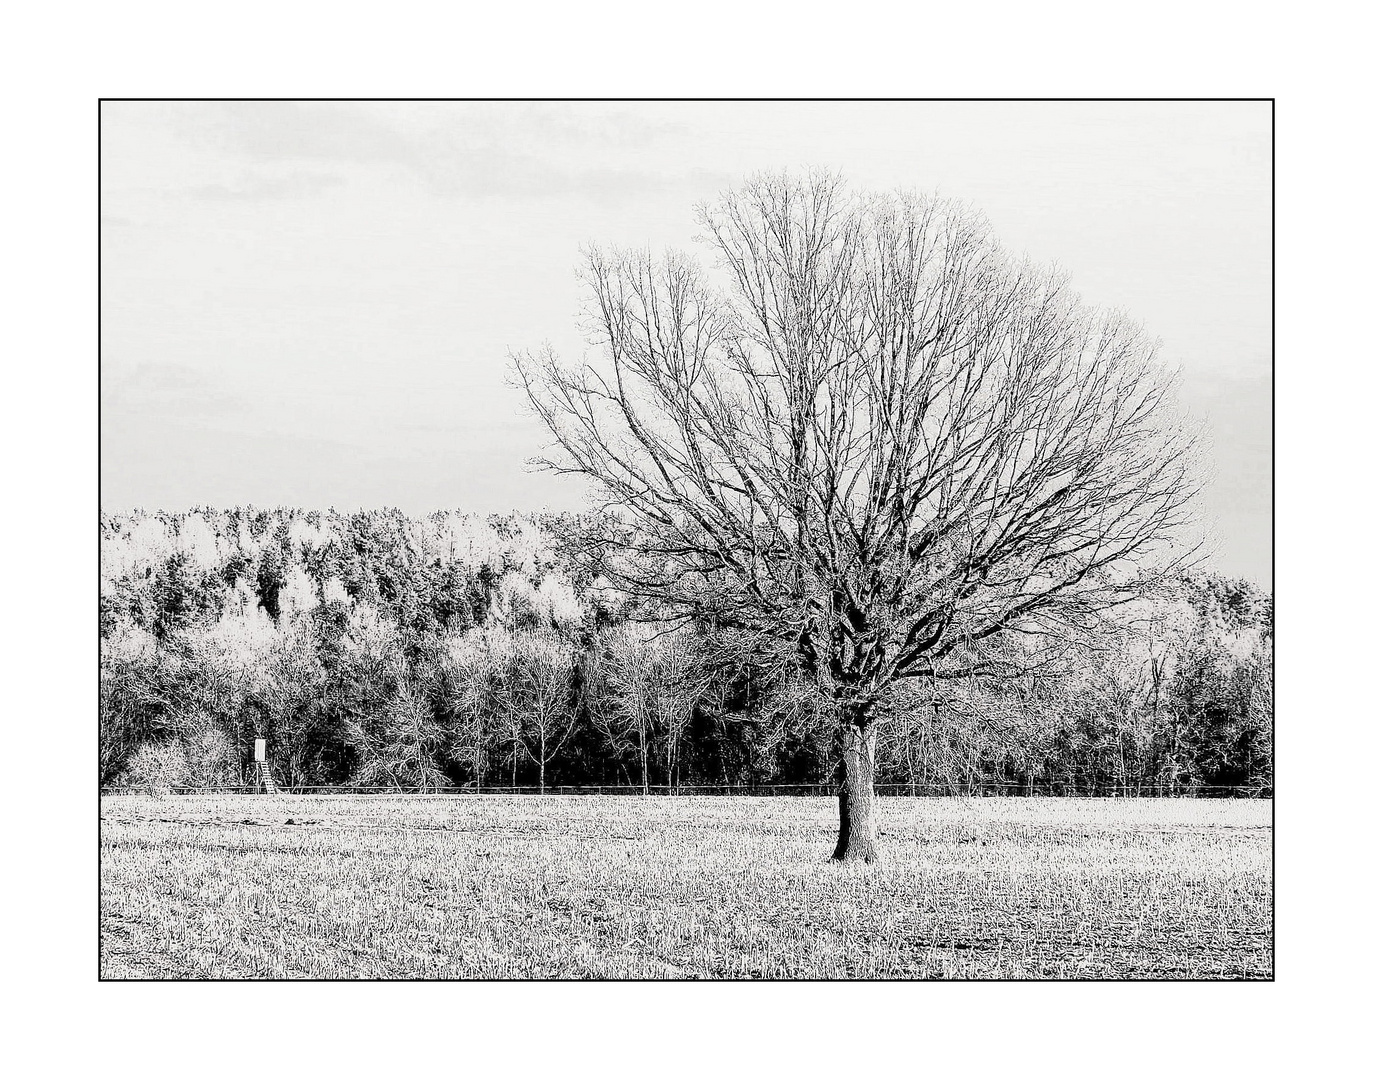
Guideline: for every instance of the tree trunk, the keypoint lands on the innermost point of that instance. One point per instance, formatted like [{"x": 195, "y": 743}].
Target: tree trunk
[
  {"x": 477, "y": 761},
  {"x": 643, "y": 760},
  {"x": 857, "y": 800}
]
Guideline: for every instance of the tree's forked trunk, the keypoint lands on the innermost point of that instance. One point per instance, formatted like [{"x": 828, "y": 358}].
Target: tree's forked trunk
[{"x": 857, "y": 799}]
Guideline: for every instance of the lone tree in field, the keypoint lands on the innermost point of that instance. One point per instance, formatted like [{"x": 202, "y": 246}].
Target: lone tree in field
[{"x": 870, "y": 437}]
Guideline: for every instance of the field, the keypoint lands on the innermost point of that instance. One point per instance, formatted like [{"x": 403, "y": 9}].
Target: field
[{"x": 660, "y": 887}]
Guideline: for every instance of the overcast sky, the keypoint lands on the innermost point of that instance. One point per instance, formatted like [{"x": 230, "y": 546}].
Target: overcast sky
[{"x": 311, "y": 304}]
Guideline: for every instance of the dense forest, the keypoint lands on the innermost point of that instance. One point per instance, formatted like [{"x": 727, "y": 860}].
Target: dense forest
[{"x": 374, "y": 650}]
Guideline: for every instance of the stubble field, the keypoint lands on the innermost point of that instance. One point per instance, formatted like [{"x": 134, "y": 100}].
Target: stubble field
[{"x": 660, "y": 887}]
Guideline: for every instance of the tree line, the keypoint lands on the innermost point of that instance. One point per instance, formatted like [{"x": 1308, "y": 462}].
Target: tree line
[{"x": 379, "y": 650}]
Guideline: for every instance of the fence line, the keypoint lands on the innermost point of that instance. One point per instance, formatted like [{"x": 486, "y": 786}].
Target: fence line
[{"x": 979, "y": 790}]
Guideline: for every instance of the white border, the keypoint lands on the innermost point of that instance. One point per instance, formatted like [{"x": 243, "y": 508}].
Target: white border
[{"x": 63, "y": 59}]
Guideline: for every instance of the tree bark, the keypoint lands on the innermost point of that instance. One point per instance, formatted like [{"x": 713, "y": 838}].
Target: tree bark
[{"x": 857, "y": 800}]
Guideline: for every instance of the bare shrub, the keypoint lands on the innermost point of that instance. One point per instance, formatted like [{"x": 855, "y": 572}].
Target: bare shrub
[{"x": 156, "y": 768}]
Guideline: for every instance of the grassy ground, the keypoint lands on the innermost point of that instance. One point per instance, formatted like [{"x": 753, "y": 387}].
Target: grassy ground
[{"x": 660, "y": 887}]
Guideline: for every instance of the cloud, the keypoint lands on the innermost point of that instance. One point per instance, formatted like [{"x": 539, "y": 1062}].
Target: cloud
[
  {"x": 257, "y": 186},
  {"x": 474, "y": 150},
  {"x": 269, "y": 131},
  {"x": 498, "y": 173},
  {"x": 167, "y": 390},
  {"x": 565, "y": 123}
]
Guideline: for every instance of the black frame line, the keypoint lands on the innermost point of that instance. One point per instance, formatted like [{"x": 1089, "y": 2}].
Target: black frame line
[{"x": 723, "y": 100}]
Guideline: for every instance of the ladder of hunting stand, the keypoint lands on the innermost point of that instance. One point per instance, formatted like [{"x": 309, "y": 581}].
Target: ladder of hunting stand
[{"x": 262, "y": 778}]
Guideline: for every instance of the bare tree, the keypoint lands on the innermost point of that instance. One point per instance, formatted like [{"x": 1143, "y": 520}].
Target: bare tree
[
  {"x": 403, "y": 745},
  {"x": 545, "y": 699},
  {"x": 871, "y": 435},
  {"x": 679, "y": 679},
  {"x": 480, "y": 663},
  {"x": 629, "y": 722}
]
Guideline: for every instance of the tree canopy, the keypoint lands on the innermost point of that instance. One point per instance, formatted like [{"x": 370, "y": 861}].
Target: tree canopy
[{"x": 869, "y": 430}]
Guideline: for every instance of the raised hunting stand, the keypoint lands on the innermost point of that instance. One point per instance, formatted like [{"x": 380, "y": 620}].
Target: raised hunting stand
[{"x": 262, "y": 773}]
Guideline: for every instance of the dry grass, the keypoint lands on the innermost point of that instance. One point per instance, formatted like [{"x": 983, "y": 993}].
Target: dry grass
[{"x": 630, "y": 887}]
